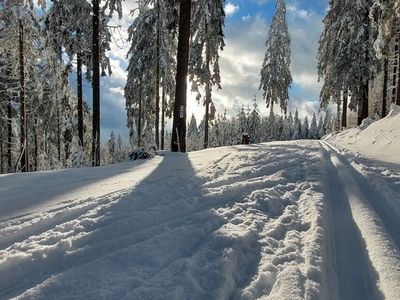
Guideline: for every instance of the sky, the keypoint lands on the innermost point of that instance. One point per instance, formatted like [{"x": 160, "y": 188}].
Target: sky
[{"x": 246, "y": 31}]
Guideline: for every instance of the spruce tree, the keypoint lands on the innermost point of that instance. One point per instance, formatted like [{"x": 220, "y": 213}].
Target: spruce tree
[
  {"x": 275, "y": 73},
  {"x": 208, "y": 18}
]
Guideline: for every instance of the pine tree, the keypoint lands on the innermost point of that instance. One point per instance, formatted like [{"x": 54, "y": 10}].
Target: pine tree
[
  {"x": 192, "y": 134},
  {"x": 305, "y": 129},
  {"x": 242, "y": 125},
  {"x": 384, "y": 13},
  {"x": 255, "y": 123},
  {"x": 151, "y": 66},
  {"x": 275, "y": 73},
  {"x": 112, "y": 147},
  {"x": 206, "y": 42},
  {"x": 345, "y": 60},
  {"x": 297, "y": 133},
  {"x": 313, "y": 133}
]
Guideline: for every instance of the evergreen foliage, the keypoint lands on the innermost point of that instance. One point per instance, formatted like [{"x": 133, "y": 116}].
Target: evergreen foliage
[{"x": 275, "y": 73}]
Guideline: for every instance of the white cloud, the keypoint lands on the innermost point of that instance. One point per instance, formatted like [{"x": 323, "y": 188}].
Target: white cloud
[
  {"x": 295, "y": 10},
  {"x": 245, "y": 18},
  {"x": 231, "y": 8}
]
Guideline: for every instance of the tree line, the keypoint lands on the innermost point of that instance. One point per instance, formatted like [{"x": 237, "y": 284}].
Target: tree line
[
  {"x": 43, "y": 121},
  {"x": 359, "y": 41},
  {"x": 228, "y": 131},
  {"x": 45, "y": 124}
]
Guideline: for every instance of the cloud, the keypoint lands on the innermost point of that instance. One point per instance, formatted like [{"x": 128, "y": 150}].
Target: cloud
[
  {"x": 231, "y": 9},
  {"x": 243, "y": 55}
]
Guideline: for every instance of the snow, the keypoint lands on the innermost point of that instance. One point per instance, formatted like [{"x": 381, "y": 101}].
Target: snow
[
  {"x": 282, "y": 220},
  {"x": 379, "y": 140}
]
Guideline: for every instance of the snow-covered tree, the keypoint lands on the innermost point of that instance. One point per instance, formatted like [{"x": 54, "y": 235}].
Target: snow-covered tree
[
  {"x": 345, "y": 60},
  {"x": 384, "y": 13},
  {"x": 305, "y": 129},
  {"x": 242, "y": 124},
  {"x": 254, "y": 121},
  {"x": 112, "y": 147},
  {"x": 192, "y": 135},
  {"x": 313, "y": 133},
  {"x": 275, "y": 73},
  {"x": 207, "y": 39},
  {"x": 151, "y": 66},
  {"x": 297, "y": 133}
]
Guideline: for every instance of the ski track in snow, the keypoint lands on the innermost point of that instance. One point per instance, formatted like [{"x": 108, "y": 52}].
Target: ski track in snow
[{"x": 284, "y": 220}]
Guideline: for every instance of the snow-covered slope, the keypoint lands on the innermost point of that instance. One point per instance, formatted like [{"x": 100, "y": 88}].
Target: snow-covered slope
[
  {"x": 380, "y": 140},
  {"x": 287, "y": 220}
]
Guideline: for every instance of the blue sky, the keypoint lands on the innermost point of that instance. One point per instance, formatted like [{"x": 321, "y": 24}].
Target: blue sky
[{"x": 246, "y": 31}]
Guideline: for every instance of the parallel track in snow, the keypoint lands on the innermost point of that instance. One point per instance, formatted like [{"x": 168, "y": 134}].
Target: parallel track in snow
[{"x": 365, "y": 234}]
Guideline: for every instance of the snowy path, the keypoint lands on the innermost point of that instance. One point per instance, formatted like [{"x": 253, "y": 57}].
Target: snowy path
[
  {"x": 295, "y": 220},
  {"x": 382, "y": 254}
]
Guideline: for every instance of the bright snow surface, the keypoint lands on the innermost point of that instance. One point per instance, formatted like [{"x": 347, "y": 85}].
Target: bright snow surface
[{"x": 284, "y": 220}]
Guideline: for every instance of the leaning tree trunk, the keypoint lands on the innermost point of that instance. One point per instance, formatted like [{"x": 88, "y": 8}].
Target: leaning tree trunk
[
  {"x": 23, "y": 137},
  {"x": 178, "y": 141},
  {"x": 96, "y": 84}
]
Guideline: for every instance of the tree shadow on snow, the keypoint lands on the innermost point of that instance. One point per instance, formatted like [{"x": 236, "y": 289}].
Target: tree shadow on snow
[{"x": 164, "y": 240}]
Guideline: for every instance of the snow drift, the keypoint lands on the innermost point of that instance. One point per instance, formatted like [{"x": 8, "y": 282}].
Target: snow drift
[{"x": 380, "y": 140}]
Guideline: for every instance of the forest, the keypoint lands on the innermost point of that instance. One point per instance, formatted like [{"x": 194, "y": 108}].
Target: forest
[{"x": 46, "y": 124}]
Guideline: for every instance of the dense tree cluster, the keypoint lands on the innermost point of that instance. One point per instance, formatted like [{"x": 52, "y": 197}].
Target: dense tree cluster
[
  {"x": 347, "y": 61},
  {"x": 226, "y": 131},
  {"x": 44, "y": 124}
]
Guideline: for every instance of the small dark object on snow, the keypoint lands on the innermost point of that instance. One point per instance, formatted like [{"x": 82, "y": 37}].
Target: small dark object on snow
[
  {"x": 142, "y": 153},
  {"x": 245, "y": 138}
]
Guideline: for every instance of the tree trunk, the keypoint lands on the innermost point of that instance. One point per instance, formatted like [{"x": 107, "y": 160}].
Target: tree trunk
[
  {"x": 139, "y": 142},
  {"x": 395, "y": 71},
  {"x": 1, "y": 158},
  {"x": 80, "y": 98},
  {"x": 338, "y": 119},
  {"x": 9, "y": 135},
  {"x": 208, "y": 87},
  {"x": 157, "y": 87},
  {"x": 23, "y": 137},
  {"x": 271, "y": 112},
  {"x": 163, "y": 119},
  {"x": 398, "y": 66},
  {"x": 385, "y": 87},
  {"x": 58, "y": 135},
  {"x": 96, "y": 84},
  {"x": 36, "y": 145},
  {"x": 365, "y": 90},
  {"x": 344, "y": 110},
  {"x": 178, "y": 141},
  {"x": 363, "y": 106}
]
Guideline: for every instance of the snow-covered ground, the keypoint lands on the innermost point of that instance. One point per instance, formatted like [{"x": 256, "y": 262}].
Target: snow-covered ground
[
  {"x": 380, "y": 140},
  {"x": 283, "y": 220}
]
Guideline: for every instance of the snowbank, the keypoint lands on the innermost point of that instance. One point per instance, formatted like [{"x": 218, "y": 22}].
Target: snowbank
[{"x": 379, "y": 140}]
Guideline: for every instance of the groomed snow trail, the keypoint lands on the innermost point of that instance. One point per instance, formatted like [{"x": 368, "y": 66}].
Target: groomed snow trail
[
  {"x": 379, "y": 259},
  {"x": 285, "y": 220}
]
